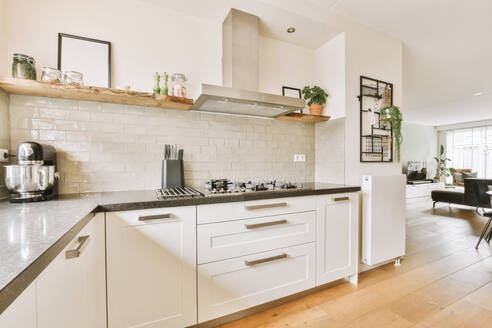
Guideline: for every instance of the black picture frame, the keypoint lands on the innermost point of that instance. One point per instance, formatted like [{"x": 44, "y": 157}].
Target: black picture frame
[
  {"x": 291, "y": 90},
  {"x": 61, "y": 36}
]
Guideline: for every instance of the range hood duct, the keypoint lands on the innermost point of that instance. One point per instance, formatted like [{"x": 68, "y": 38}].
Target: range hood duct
[{"x": 240, "y": 74}]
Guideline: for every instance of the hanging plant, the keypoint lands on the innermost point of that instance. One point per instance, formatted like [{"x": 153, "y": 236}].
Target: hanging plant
[{"x": 391, "y": 117}]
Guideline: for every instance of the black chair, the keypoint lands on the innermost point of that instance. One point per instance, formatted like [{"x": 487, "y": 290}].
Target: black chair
[{"x": 480, "y": 189}]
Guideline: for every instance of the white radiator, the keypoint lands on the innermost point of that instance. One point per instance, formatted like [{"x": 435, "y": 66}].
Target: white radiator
[{"x": 383, "y": 218}]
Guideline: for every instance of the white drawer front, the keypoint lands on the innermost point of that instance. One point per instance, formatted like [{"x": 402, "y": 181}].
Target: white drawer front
[
  {"x": 156, "y": 215},
  {"x": 233, "y": 285},
  {"x": 255, "y": 208},
  {"x": 219, "y": 241}
]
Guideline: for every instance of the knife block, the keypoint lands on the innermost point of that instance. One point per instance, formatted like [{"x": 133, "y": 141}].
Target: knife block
[{"x": 172, "y": 174}]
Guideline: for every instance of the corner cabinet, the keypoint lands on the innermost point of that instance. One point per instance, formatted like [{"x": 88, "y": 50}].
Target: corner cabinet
[
  {"x": 71, "y": 290},
  {"x": 151, "y": 268},
  {"x": 337, "y": 237}
]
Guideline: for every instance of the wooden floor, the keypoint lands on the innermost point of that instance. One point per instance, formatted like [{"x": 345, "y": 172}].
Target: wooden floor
[{"x": 442, "y": 282}]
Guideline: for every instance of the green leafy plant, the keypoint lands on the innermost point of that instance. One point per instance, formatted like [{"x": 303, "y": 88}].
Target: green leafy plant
[
  {"x": 391, "y": 117},
  {"x": 314, "y": 95},
  {"x": 442, "y": 166}
]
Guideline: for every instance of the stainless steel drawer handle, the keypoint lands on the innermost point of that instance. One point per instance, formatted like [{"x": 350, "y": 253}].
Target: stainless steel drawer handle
[
  {"x": 155, "y": 217},
  {"x": 266, "y": 259},
  {"x": 264, "y": 224},
  {"x": 339, "y": 199},
  {"x": 262, "y": 206},
  {"x": 73, "y": 253}
]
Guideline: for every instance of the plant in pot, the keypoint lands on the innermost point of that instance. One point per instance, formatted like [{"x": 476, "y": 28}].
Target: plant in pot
[
  {"x": 442, "y": 170},
  {"x": 391, "y": 117},
  {"x": 316, "y": 98}
]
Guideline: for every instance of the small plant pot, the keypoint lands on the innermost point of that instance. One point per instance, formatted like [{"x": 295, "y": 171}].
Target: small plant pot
[{"x": 315, "y": 109}]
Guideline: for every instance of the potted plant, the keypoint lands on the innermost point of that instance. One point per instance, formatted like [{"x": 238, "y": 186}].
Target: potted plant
[
  {"x": 442, "y": 169},
  {"x": 391, "y": 116},
  {"x": 316, "y": 98}
]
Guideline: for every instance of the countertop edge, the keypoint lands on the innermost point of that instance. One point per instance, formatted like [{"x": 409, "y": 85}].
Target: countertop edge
[
  {"x": 17, "y": 285},
  {"x": 228, "y": 198}
]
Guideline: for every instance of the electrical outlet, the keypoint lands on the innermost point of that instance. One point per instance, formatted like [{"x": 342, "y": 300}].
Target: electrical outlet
[
  {"x": 299, "y": 158},
  {"x": 3, "y": 155}
]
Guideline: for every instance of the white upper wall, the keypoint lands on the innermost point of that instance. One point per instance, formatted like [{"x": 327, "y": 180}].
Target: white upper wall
[
  {"x": 373, "y": 54},
  {"x": 284, "y": 64},
  {"x": 4, "y": 71},
  {"x": 146, "y": 38},
  {"x": 329, "y": 74}
]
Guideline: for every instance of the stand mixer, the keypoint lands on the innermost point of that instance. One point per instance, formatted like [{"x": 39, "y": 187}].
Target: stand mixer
[{"x": 34, "y": 176}]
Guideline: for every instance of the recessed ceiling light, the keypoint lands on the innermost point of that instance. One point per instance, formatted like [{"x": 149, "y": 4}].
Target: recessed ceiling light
[
  {"x": 291, "y": 30},
  {"x": 479, "y": 93}
]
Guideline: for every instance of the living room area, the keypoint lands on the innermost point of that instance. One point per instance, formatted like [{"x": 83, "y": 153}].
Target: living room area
[{"x": 449, "y": 172}]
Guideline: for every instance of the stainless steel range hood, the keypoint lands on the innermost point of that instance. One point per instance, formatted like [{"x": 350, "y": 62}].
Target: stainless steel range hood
[{"x": 240, "y": 71}]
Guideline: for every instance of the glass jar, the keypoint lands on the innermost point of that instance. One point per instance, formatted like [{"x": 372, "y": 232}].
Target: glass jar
[
  {"x": 179, "y": 87},
  {"x": 49, "y": 74},
  {"x": 73, "y": 77},
  {"x": 23, "y": 67}
]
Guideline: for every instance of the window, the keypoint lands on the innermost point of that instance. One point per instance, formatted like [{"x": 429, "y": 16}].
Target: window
[{"x": 471, "y": 149}]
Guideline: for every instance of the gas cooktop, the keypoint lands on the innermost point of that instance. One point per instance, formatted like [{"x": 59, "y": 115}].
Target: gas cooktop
[{"x": 225, "y": 186}]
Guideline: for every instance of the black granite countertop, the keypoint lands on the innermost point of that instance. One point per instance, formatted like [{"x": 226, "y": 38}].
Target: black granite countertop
[{"x": 32, "y": 234}]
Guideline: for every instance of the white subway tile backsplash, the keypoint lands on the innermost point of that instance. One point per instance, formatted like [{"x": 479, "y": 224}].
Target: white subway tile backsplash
[{"x": 109, "y": 147}]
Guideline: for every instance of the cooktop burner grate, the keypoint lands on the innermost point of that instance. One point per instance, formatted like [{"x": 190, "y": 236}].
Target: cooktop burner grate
[{"x": 178, "y": 192}]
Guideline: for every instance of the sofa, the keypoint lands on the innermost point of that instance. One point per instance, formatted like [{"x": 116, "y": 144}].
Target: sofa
[{"x": 462, "y": 197}]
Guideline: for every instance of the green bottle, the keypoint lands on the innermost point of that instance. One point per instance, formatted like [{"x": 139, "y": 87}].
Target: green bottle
[{"x": 156, "y": 83}]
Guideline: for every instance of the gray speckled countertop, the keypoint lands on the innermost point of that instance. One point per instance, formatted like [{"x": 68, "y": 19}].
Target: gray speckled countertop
[{"x": 30, "y": 231}]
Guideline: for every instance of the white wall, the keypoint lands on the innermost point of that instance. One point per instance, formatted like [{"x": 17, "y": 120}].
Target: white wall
[
  {"x": 373, "y": 54},
  {"x": 284, "y": 64},
  {"x": 329, "y": 74},
  {"x": 145, "y": 38},
  {"x": 4, "y": 134},
  {"x": 420, "y": 143},
  {"x": 330, "y": 151},
  {"x": 4, "y": 68}
]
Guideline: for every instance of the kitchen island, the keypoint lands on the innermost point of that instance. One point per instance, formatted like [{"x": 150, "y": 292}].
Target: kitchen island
[{"x": 35, "y": 233}]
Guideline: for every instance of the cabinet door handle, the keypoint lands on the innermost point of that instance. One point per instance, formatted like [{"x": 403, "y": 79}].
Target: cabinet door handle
[
  {"x": 264, "y": 224},
  {"x": 339, "y": 199},
  {"x": 155, "y": 217},
  {"x": 266, "y": 259},
  {"x": 262, "y": 206},
  {"x": 73, "y": 253}
]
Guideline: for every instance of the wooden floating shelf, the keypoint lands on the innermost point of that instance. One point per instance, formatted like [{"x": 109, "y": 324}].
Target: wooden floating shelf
[
  {"x": 107, "y": 95},
  {"x": 306, "y": 118}
]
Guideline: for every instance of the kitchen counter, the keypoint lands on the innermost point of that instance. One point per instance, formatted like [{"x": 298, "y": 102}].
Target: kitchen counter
[{"x": 33, "y": 234}]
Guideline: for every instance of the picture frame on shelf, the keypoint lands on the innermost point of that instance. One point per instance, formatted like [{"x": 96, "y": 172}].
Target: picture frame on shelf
[
  {"x": 91, "y": 57},
  {"x": 291, "y": 92}
]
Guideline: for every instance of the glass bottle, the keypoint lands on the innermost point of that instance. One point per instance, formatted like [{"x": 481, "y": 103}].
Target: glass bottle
[
  {"x": 49, "y": 74},
  {"x": 73, "y": 77},
  {"x": 179, "y": 87},
  {"x": 23, "y": 67}
]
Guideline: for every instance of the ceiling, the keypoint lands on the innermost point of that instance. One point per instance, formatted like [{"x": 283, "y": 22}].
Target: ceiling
[
  {"x": 274, "y": 20},
  {"x": 447, "y": 49},
  {"x": 447, "y": 54}
]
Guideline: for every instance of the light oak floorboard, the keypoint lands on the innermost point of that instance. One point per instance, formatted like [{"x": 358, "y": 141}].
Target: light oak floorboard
[{"x": 442, "y": 282}]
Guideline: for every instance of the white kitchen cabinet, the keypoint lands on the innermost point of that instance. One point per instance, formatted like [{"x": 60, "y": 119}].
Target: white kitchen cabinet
[
  {"x": 235, "y": 284},
  {"x": 254, "y": 208},
  {"x": 223, "y": 240},
  {"x": 337, "y": 237},
  {"x": 22, "y": 312},
  {"x": 151, "y": 268},
  {"x": 71, "y": 290}
]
